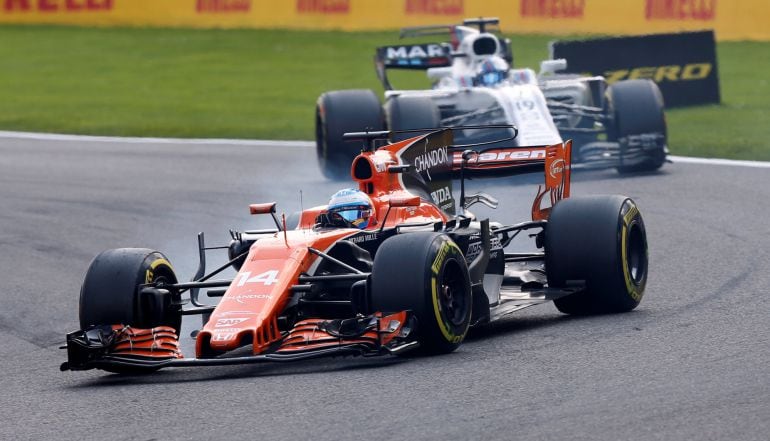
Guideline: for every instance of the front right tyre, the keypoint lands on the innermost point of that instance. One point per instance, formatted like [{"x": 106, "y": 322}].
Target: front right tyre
[
  {"x": 637, "y": 108},
  {"x": 111, "y": 295},
  {"x": 337, "y": 113}
]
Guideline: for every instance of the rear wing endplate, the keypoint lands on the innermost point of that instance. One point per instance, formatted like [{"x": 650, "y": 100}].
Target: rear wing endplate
[{"x": 558, "y": 169}]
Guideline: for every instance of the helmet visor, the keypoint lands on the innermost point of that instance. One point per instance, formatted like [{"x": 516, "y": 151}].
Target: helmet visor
[
  {"x": 356, "y": 216},
  {"x": 492, "y": 78}
]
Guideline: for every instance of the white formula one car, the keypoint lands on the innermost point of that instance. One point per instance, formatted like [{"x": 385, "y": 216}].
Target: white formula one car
[{"x": 620, "y": 125}]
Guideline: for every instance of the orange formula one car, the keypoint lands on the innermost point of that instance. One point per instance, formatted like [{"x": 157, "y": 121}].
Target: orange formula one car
[{"x": 390, "y": 266}]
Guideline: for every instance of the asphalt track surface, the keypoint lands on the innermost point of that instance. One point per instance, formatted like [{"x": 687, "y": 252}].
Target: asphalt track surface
[{"x": 692, "y": 362}]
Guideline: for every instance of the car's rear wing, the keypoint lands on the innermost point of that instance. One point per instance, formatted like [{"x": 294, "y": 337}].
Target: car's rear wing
[
  {"x": 428, "y": 55},
  {"x": 429, "y": 162},
  {"x": 411, "y": 57},
  {"x": 555, "y": 162}
]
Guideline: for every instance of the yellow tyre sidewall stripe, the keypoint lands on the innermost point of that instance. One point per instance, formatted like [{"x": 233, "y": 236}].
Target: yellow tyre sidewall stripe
[
  {"x": 631, "y": 287},
  {"x": 150, "y": 273},
  {"x": 441, "y": 257}
]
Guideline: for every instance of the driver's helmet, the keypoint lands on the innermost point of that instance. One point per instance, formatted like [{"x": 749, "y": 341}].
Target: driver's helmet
[
  {"x": 350, "y": 208},
  {"x": 492, "y": 71}
]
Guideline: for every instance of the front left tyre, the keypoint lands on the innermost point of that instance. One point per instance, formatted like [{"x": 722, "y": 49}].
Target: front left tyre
[{"x": 426, "y": 273}]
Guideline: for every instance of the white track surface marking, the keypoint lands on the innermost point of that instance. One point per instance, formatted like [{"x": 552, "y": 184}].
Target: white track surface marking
[
  {"x": 131, "y": 140},
  {"x": 283, "y": 143},
  {"x": 717, "y": 161}
]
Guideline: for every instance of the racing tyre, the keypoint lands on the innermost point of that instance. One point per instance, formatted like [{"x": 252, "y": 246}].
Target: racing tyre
[
  {"x": 637, "y": 108},
  {"x": 110, "y": 292},
  {"x": 411, "y": 112},
  {"x": 339, "y": 112},
  {"x": 602, "y": 240},
  {"x": 425, "y": 272}
]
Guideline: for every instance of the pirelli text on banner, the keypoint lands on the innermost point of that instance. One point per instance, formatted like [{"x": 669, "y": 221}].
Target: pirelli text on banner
[
  {"x": 434, "y": 7},
  {"x": 552, "y": 8},
  {"x": 53, "y": 6},
  {"x": 701, "y": 10},
  {"x": 223, "y": 6},
  {"x": 322, "y": 6}
]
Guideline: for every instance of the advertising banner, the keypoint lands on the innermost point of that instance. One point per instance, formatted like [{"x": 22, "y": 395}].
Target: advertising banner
[
  {"x": 731, "y": 20},
  {"x": 683, "y": 65}
]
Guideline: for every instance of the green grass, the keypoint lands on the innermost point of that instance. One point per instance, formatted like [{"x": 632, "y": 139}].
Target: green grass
[
  {"x": 264, "y": 83},
  {"x": 738, "y": 128}
]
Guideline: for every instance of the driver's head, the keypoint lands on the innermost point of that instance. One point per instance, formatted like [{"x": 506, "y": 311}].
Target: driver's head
[
  {"x": 491, "y": 71},
  {"x": 350, "y": 208}
]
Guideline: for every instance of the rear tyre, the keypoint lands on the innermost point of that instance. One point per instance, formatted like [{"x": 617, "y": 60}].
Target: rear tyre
[
  {"x": 411, "y": 112},
  {"x": 637, "y": 107},
  {"x": 602, "y": 240},
  {"x": 426, "y": 273},
  {"x": 339, "y": 112},
  {"x": 110, "y": 292}
]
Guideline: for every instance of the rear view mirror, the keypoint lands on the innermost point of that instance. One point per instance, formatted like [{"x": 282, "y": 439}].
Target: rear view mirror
[{"x": 265, "y": 208}]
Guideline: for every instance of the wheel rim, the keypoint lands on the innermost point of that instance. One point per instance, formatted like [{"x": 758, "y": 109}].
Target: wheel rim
[
  {"x": 636, "y": 262},
  {"x": 165, "y": 276},
  {"x": 453, "y": 299}
]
